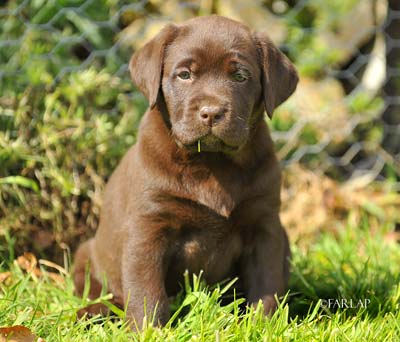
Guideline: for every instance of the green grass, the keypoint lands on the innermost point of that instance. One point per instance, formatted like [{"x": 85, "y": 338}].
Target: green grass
[{"x": 355, "y": 264}]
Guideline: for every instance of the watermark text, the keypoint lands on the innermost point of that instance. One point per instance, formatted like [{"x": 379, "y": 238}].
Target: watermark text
[{"x": 344, "y": 303}]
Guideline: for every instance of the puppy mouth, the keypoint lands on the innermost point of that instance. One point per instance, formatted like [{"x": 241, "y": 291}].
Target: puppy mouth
[{"x": 208, "y": 143}]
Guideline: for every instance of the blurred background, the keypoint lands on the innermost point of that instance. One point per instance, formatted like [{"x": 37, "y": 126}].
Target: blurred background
[{"x": 68, "y": 111}]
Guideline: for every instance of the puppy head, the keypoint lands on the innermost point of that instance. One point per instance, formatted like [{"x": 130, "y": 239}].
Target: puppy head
[{"x": 216, "y": 77}]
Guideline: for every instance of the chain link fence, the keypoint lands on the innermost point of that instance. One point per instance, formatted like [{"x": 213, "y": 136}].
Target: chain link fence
[{"x": 68, "y": 110}]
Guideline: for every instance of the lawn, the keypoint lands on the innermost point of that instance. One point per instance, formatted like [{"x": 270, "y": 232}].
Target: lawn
[{"x": 353, "y": 268}]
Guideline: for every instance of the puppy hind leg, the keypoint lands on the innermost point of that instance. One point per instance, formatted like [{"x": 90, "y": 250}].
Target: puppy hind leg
[{"x": 83, "y": 265}]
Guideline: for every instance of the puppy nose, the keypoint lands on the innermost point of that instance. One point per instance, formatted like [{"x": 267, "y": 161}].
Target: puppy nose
[{"x": 211, "y": 115}]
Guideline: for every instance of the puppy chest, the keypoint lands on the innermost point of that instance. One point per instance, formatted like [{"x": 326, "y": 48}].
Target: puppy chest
[{"x": 212, "y": 251}]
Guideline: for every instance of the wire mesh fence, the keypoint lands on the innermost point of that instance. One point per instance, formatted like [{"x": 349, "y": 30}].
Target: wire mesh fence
[{"x": 68, "y": 110}]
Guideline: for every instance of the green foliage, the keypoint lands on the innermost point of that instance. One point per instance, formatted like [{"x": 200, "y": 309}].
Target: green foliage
[
  {"x": 67, "y": 141},
  {"x": 305, "y": 23},
  {"x": 66, "y": 117},
  {"x": 363, "y": 103}
]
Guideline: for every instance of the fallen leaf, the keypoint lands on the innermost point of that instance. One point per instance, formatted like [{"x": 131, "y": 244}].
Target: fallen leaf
[
  {"x": 4, "y": 276},
  {"x": 27, "y": 262},
  {"x": 17, "y": 333}
]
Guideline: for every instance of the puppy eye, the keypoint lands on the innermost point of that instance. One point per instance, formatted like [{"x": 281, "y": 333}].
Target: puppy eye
[
  {"x": 184, "y": 75},
  {"x": 239, "y": 77}
]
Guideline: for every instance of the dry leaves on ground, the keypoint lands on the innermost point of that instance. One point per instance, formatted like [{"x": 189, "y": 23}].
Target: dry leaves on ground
[
  {"x": 18, "y": 333},
  {"x": 313, "y": 202},
  {"x": 28, "y": 263},
  {"x": 4, "y": 276}
]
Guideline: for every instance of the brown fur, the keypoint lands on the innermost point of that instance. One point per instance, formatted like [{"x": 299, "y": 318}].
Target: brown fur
[{"x": 167, "y": 207}]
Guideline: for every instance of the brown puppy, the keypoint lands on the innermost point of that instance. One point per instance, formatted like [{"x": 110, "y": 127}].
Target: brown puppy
[{"x": 200, "y": 190}]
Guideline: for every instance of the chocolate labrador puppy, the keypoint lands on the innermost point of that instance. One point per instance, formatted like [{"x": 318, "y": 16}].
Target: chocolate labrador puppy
[{"x": 200, "y": 190}]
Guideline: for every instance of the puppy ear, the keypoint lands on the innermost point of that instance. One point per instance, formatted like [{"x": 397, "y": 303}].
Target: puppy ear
[
  {"x": 279, "y": 76},
  {"x": 146, "y": 64}
]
